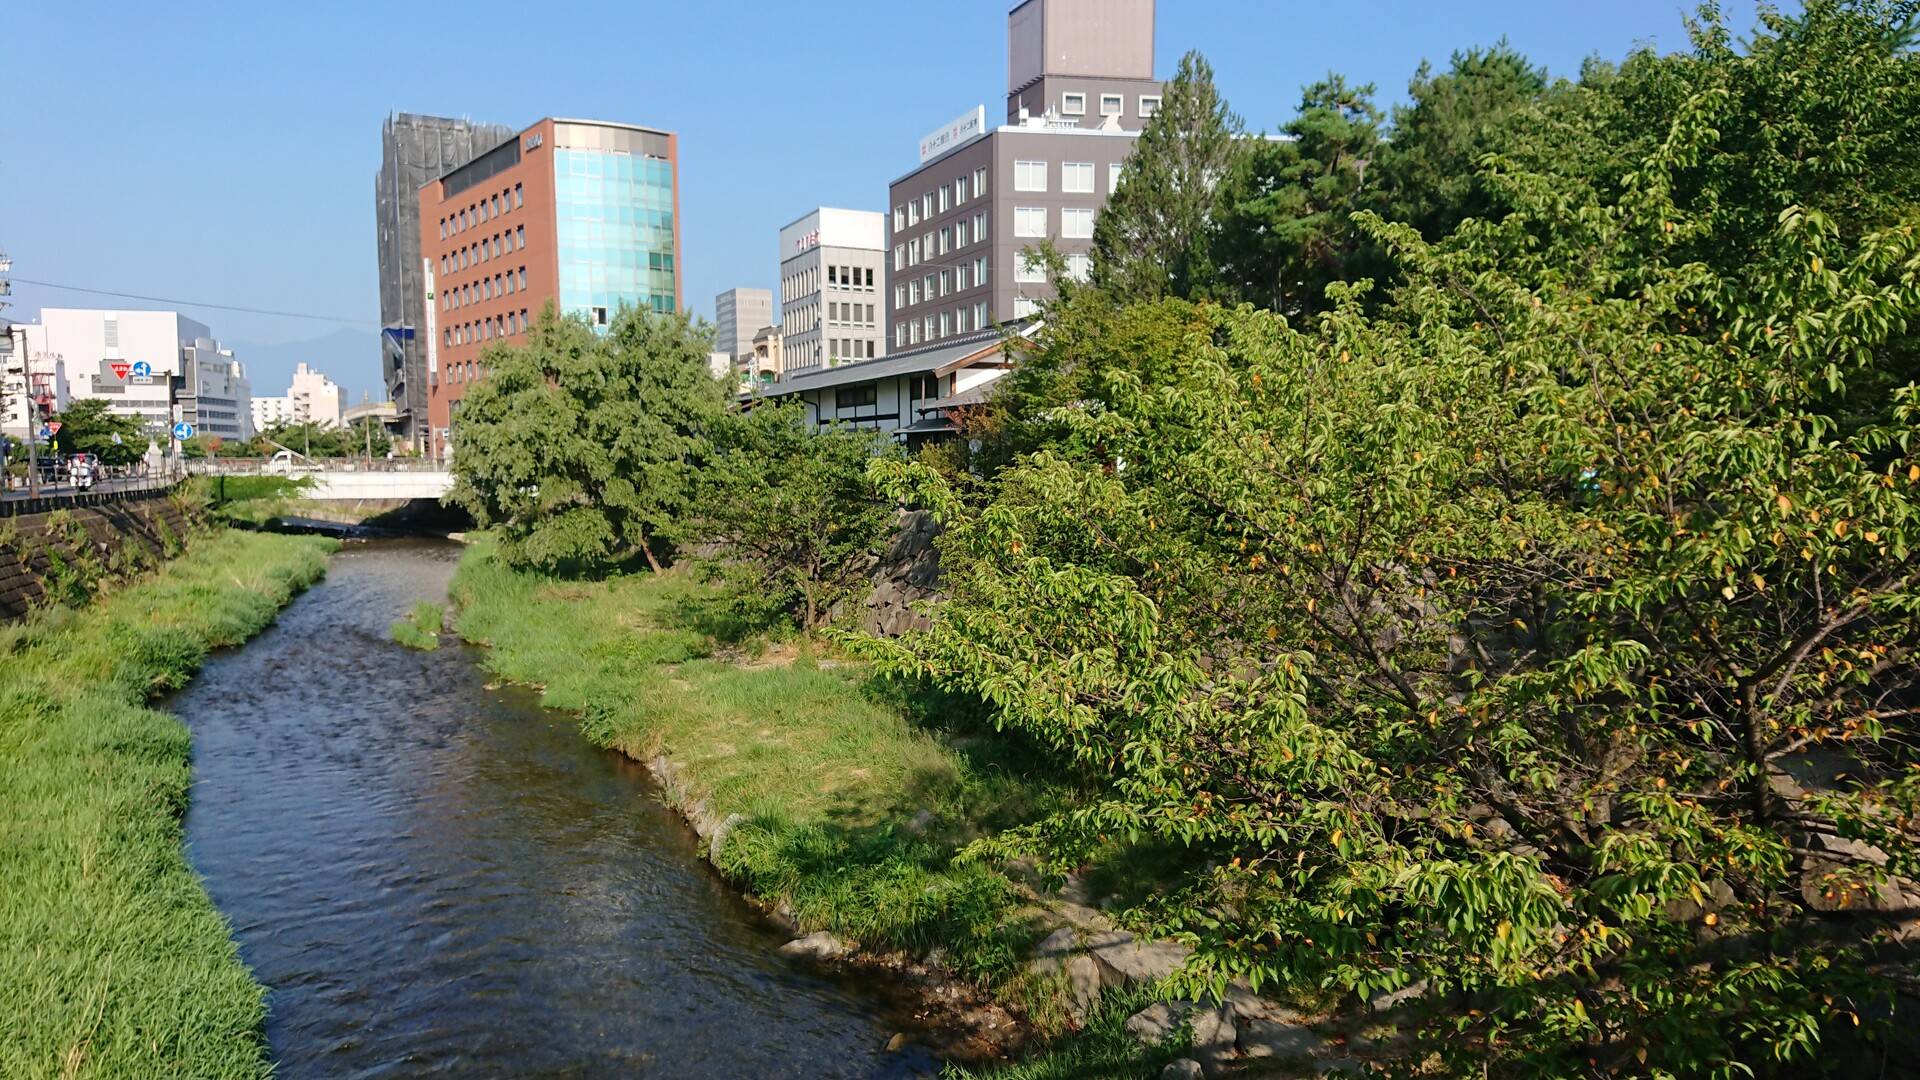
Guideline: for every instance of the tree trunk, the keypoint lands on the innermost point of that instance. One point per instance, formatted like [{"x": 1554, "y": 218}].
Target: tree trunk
[{"x": 647, "y": 550}]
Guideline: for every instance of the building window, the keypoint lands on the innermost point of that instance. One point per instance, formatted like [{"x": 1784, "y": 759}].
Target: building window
[
  {"x": 1076, "y": 177},
  {"x": 979, "y": 182},
  {"x": 946, "y": 282},
  {"x": 960, "y": 279},
  {"x": 833, "y": 275},
  {"x": 913, "y": 253},
  {"x": 1114, "y": 172},
  {"x": 1149, "y": 104},
  {"x": 960, "y": 239},
  {"x": 870, "y": 319},
  {"x": 946, "y": 198},
  {"x": 946, "y": 324},
  {"x": 980, "y": 315},
  {"x": 1030, "y": 221},
  {"x": 1029, "y": 176},
  {"x": 517, "y": 200},
  {"x": 899, "y": 218},
  {"x": 520, "y": 237},
  {"x": 980, "y": 271},
  {"x": 1113, "y": 104},
  {"x": 1079, "y": 267},
  {"x": 599, "y": 316},
  {"x": 899, "y": 335},
  {"x": 926, "y": 205},
  {"x": 946, "y": 239},
  {"x": 959, "y": 191},
  {"x": 899, "y": 296},
  {"x": 1029, "y": 269},
  {"x": 443, "y": 228},
  {"x": 979, "y": 226},
  {"x": 1073, "y": 104},
  {"x": 1025, "y": 307},
  {"x": 913, "y": 292},
  {"x": 899, "y": 257},
  {"x": 913, "y": 212},
  {"x": 523, "y": 277},
  {"x": 1076, "y": 224}
]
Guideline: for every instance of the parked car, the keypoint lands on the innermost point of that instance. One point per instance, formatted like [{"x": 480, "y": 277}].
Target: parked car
[{"x": 288, "y": 463}]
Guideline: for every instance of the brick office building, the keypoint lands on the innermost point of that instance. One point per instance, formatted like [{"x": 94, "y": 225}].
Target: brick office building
[{"x": 581, "y": 214}]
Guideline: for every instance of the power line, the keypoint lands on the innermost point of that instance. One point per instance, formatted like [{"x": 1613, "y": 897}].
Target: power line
[{"x": 197, "y": 304}]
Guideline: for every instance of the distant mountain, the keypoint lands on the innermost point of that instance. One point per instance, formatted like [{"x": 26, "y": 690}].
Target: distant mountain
[{"x": 348, "y": 357}]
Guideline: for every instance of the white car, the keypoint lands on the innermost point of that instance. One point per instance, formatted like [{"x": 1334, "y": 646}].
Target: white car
[{"x": 288, "y": 463}]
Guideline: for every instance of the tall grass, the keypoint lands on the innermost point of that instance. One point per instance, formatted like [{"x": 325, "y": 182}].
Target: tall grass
[
  {"x": 831, "y": 771},
  {"x": 113, "y": 962}
]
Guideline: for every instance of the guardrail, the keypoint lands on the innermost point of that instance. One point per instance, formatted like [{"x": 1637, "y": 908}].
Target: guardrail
[
  {"x": 257, "y": 467},
  {"x": 64, "y": 497}
]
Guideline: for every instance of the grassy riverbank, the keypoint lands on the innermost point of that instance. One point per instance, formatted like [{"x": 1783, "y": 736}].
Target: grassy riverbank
[
  {"x": 113, "y": 961},
  {"x": 856, "y": 797}
]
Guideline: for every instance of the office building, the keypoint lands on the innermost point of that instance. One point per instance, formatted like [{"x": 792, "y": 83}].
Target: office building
[
  {"x": 737, "y": 315},
  {"x": 414, "y": 149},
  {"x": 1079, "y": 89},
  {"x": 832, "y": 266},
  {"x": 579, "y": 214},
  {"x": 157, "y": 366}
]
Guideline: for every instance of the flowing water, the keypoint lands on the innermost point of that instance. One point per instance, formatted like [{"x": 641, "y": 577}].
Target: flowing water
[{"x": 435, "y": 878}]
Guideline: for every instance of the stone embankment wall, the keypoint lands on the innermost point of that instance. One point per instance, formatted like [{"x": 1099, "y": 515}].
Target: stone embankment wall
[
  {"x": 907, "y": 574},
  {"x": 63, "y": 554}
]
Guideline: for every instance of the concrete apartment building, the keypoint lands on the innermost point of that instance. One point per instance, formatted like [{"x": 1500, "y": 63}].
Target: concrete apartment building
[
  {"x": 414, "y": 149},
  {"x": 738, "y": 314},
  {"x": 1080, "y": 87},
  {"x": 581, "y": 214},
  {"x": 832, "y": 268},
  {"x": 28, "y": 378},
  {"x": 313, "y": 398},
  {"x": 157, "y": 366}
]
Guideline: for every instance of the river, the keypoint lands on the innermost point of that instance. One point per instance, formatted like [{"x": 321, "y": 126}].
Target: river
[{"x": 438, "y": 878}]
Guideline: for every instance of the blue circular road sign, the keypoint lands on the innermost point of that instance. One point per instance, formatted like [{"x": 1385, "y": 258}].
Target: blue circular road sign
[{"x": 183, "y": 432}]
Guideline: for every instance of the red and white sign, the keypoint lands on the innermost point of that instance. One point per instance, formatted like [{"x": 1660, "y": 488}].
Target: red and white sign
[
  {"x": 120, "y": 369},
  {"x": 53, "y": 426},
  {"x": 807, "y": 242}
]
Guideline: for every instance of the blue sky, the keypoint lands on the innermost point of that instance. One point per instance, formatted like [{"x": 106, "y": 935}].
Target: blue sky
[{"x": 224, "y": 153}]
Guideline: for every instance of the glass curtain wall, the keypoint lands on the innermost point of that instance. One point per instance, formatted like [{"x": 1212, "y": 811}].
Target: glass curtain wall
[{"x": 615, "y": 217}]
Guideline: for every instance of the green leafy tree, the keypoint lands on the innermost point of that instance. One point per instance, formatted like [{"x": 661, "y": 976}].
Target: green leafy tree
[
  {"x": 1150, "y": 239},
  {"x": 1284, "y": 229},
  {"x": 1431, "y": 167},
  {"x": 1548, "y": 643},
  {"x": 582, "y": 448},
  {"x": 87, "y": 427},
  {"x": 792, "y": 507}
]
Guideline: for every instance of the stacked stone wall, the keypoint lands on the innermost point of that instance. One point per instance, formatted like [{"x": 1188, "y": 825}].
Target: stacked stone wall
[{"x": 61, "y": 555}]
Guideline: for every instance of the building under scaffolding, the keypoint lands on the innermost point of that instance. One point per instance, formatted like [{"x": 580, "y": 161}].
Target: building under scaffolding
[{"x": 414, "y": 150}]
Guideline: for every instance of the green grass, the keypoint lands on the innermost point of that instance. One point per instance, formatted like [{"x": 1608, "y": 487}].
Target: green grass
[
  {"x": 830, "y": 766},
  {"x": 113, "y": 961},
  {"x": 421, "y": 628}
]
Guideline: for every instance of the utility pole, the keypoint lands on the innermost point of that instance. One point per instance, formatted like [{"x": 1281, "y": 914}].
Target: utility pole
[{"x": 32, "y": 407}]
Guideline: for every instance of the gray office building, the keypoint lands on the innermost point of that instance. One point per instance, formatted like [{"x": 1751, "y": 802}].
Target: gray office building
[
  {"x": 739, "y": 314},
  {"x": 414, "y": 150},
  {"x": 1080, "y": 87}
]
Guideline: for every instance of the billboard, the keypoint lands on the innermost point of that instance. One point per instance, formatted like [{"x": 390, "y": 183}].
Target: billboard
[{"x": 962, "y": 130}]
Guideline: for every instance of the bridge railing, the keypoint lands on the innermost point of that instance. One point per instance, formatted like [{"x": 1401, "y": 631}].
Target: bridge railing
[{"x": 262, "y": 467}]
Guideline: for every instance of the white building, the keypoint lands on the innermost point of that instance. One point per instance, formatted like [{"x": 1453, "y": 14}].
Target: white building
[
  {"x": 833, "y": 264},
  {"x": 316, "y": 399},
  {"x": 912, "y": 395},
  {"x": 28, "y": 375},
  {"x": 270, "y": 412},
  {"x": 158, "y": 366}
]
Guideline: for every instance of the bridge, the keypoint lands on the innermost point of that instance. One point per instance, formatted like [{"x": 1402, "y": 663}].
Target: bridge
[{"x": 347, "y": 481}]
